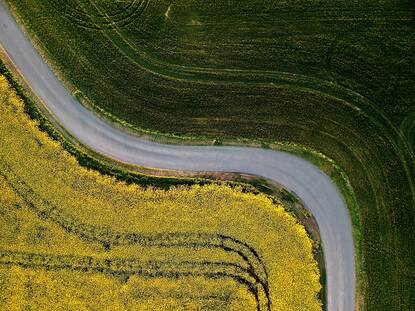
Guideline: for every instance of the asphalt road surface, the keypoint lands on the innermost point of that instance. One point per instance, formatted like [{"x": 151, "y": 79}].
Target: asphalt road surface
[{"x": 315, "y": 189}]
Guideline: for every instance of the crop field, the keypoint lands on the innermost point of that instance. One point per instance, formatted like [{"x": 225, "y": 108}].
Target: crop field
[
  {"x": 73, "y": 239},
  {"x": 334, "y": 76}
]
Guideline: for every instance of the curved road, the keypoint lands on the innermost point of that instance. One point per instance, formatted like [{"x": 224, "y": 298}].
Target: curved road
[{"x": 315, "y": 188}]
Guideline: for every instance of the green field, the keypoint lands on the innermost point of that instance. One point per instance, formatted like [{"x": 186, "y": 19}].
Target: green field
[{"x": 337, "y": 77}]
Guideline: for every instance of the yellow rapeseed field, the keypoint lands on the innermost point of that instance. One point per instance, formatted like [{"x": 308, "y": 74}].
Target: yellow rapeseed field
[{"x": 73, "y": 239}]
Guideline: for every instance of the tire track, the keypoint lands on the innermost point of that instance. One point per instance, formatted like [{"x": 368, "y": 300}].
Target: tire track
[
  {"x": 109, "y": 239},
  {"x": 125, "y": 268}
]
